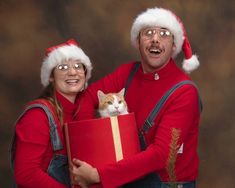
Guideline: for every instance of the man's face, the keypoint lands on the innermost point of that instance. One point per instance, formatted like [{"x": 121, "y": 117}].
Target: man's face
[{"x": 156, "y": 46}]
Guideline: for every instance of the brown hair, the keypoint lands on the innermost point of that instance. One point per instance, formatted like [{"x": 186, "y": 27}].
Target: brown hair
[{"x": 49, "y": 94}]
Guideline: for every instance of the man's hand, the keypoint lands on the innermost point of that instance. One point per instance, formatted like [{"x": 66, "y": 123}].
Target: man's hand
[{"x": 84, "y": 174}]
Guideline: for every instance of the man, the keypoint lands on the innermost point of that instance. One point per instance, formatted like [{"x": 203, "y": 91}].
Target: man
[{"x": 169, "y": 156}]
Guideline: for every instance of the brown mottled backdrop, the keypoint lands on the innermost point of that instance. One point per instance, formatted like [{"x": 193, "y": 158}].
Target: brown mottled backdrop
[{"x": 102, "y": 27}]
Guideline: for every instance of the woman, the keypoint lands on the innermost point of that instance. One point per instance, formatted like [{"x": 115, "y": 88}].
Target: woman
[{"x": 38, "y": 149}]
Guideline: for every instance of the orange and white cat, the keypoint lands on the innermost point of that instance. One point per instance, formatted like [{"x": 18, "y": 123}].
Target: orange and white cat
[{"x": 112, "y": 104}]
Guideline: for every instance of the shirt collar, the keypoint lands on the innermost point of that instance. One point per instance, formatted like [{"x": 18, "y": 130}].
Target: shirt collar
[{"x": 166, "y": 71}]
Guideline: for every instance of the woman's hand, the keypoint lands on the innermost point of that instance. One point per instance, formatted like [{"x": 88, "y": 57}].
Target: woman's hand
[{"x": 84, "y": 174}]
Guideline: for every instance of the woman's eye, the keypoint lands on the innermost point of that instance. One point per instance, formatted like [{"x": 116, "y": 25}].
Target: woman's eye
[
  {"x": 78, "y": 66},
  {"x": 63, "y": 67}
]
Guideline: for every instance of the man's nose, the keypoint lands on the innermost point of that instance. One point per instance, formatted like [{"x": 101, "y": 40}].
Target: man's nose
[{"x": 155, "y": 37}]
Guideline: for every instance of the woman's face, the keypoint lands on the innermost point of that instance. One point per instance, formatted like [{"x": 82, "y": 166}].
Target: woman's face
[{"x": 69, "y": 78}]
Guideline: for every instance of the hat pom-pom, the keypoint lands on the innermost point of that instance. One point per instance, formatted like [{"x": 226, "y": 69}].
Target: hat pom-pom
[{"x": 190, "y": 64}]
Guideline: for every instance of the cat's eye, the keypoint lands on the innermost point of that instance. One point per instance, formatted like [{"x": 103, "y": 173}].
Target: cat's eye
[
  {"x": 109, "y": 102},
  {"x": 119, "y": 102}
]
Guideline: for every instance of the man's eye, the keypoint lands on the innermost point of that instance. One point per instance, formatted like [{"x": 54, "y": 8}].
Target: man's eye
[
  {"x": 165, "y": 33},
  {"x": 168, "y": 33},
  {"x": 149, "y": 32},
  {"x": 162, "y": 33}
]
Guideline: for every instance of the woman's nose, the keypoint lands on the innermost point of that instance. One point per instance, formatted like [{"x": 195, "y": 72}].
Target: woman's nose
[{"x": 72, "y": 71}]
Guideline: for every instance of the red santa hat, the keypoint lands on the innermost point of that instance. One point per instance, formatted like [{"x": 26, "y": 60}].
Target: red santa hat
[
  {"x": 159, "y": 17},
  {"x": 54, "y": 55}
]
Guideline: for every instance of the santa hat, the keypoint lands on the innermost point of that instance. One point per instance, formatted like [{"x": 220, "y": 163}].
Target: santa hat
[
  {"x": 54, "y": 55},
  {"x": 159, "y": 17}
]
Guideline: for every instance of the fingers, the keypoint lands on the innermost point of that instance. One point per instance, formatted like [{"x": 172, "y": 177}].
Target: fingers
[
  {"x": 74, "y": 170},
  {"x": 83, "y": 173},
  {"x": 77, "y": 162},
  {"x": 76, "y": 179}
]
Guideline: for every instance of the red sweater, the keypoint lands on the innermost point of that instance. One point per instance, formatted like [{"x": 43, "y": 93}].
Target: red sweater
[
  {"x": 180, "y": 112},
  {"x": 33, "y": 147}
]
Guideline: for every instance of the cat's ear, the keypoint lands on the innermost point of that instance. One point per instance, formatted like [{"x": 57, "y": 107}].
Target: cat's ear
[
  {"x": 122, "y": 92},
  {"x": 100, "y": 95}
]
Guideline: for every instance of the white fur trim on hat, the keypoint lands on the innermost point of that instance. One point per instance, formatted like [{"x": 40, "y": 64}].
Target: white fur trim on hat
[
  {"x": 63, "y": 53},
  {"x": 158, "y": 17},
  {"x": 191, "y": 64}
]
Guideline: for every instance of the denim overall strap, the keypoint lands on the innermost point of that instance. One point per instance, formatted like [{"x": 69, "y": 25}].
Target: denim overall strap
[
  {"x": 150, "y": 180},
  {"x": 56, "y": 143},
  {"x": 58, "y": 167},
  {"x": 149, "y": 122},
  {"x": 131, "y": 75}
]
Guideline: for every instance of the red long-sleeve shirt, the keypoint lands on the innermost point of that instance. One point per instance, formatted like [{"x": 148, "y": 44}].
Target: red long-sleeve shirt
[
  {"x": 33, "y": 147},
  {"x": 180, "y": 112}
]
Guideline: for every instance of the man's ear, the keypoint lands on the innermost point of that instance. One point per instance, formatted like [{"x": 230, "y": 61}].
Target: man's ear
[{"x": 173, "y": 47}]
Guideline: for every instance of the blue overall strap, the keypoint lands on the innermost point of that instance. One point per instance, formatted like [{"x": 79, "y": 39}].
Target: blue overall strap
[
  {"x": 56, "y": 143},
  {"x": 153, "y": 114},
  {"x": 131, "y": 75}
]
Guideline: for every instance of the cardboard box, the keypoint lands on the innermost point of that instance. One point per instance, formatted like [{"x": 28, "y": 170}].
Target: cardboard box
[{"x": 104, "y": 140}]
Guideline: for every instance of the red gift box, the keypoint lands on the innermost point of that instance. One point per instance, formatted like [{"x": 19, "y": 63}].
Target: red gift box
[{"x": 102, "y": 141}]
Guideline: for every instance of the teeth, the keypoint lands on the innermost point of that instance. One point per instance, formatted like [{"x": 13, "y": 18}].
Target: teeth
[
  {"x": 155, "y": 50},
  {"x": 71, "y": 81}
]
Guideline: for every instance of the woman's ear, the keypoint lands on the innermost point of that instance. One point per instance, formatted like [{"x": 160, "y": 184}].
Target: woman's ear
[
  {"x": 51, "y": 79},
  {"x": 138, "y": 42}
]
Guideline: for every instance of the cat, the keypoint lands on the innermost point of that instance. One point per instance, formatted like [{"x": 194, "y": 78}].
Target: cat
[{"x": 112, "y": 104}]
